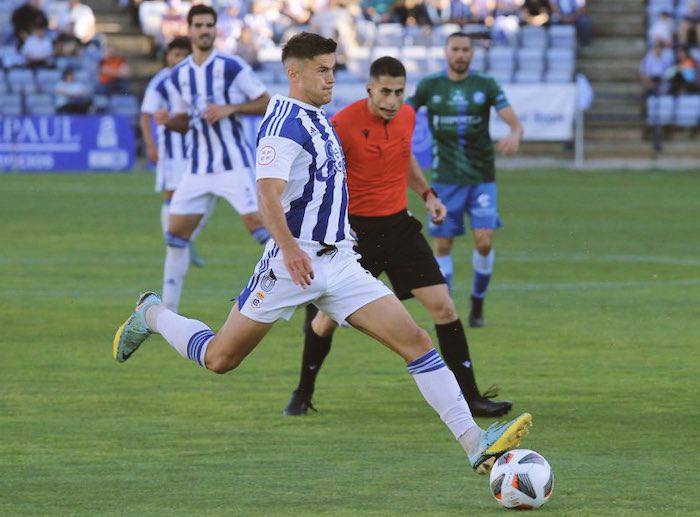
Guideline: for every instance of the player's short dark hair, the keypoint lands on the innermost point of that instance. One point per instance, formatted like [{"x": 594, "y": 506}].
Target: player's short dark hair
[
  {"x": 200, "y": 9},
  {"x": 307, "y": 45},
  {"x": 458, "y": 34},
  {"x": 387, "y": 65},
  {"x": 181, "y": 42}
]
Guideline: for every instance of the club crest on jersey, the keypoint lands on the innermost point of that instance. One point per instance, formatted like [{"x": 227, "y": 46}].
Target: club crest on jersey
[
  {"x": 436, "y": 99},
  {"x": 479, "y": 97},
  {"x": 484, "y": 200},
  {"x": 267, "y": 282},
  {"x": 333, "y": 163}
]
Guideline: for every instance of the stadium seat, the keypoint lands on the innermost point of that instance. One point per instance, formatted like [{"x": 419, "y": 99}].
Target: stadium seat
[
  {"x": 562, "y": 36},
  {"x": 440, "y": 33},
  {"x": 100, "y": 103},
  {"x": 436, "y": 59},
  {"x": 389, "y": 35},
  {"x": 358, "y": 60},
  {"x": 502, "y": 75},
  {"x": 561, "y": 63},
  {"x": 64, "y": 62},
  {"x": 476, "y": 29},
  {"x": 10, "y": 104},
  {"x": 531, "y": 60},
  {"x": 40, "y": 104},
  {"x": 528, "y": 76},
  {"x": 271, "y": 61},
  {"x": 660, "y": 110},
  {"x": 656, "y": 7},
  {"x": 21, "y": 80},
  {"x": 532, "y": 37},
  {"x": 415, "y": 59},
  {"x": 46, "y": 79},
  {"x": 127, "y": 105},
  {"x": 382, "y": 51},
  {"x": 478, "y": 60},
  {"x": 687, "y": 112},
  {"x": 501, "y": 61},
  {"x": 416, "y": 35}
]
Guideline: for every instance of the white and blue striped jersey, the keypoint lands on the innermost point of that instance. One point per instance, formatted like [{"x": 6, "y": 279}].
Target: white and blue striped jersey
[
  {"x": 298, "y": 144},
  {"x": 171, "y": 144},
  {"x": 221, "y": 79}
]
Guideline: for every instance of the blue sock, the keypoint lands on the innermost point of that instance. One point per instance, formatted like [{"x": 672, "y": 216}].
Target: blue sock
[
  {"x": 261, "y": 235},
  {"x": 445, "y": 264},
  {"x": 483, "y": 268}
]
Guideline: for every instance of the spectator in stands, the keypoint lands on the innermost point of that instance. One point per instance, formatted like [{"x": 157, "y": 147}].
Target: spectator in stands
[
  {"x": 689, "y": 30},
  {"x": 114, "y": 73},
  {"x": 79, "y": 20},
  {"x": 335, "y": 21},
  {"x": 259, "y": 20},
  {"x": 26, "y": 18},
  {"x": 506, "y": 22},
  {"x": 66, "y": 45},
  {"x": 248, "y": 49},
  {"x": 72, "y": 96},
  {"x": 37, "y": 49},
  {"x": 438, "y": 11},
  {"x": 653, "y": 70},
  {"x": 229, "y": 27},
  {"x": 536, "y": 12},
  {"x": 573, "y": 12},
  {"x": 662, "y": 29},
  {"x": 377, "y": 11},
  {"x": 410, "y": 12},
  {"x": 483, "y": 11},
  {"x": 684, "y": 75}
]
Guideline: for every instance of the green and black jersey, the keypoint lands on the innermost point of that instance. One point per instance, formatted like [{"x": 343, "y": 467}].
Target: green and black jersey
[{"x": 458, "y": 115}]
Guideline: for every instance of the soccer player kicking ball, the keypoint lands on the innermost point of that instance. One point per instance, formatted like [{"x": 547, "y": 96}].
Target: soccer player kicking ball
[
  {"x": 170, "y": 152},
  {"x": 459, "y": 103},
  {"x": 376, "y": 135},
  {"x": 210, "y": 90},
  {"x": 303, "y": 198}
]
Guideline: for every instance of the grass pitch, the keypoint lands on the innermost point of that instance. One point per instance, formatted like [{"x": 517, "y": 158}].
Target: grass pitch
[{"x": 592, "y": 325}]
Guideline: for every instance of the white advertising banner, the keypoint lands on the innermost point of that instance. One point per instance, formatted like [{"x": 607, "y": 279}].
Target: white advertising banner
[{"x": 546, "y": 111}]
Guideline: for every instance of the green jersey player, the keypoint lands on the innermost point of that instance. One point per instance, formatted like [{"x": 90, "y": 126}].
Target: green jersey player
[{"x": 459, "y": 103}]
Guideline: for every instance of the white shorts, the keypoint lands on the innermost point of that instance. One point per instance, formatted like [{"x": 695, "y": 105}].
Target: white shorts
[
  {"x": 169, "y": 173},
  {"x": 340, "y": 286},
  {"x": 195, "y": 192}
]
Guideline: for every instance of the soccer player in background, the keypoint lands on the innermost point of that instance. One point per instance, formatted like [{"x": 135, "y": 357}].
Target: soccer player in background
[
  {"x": 376, "y": 134},
  {"x": 210, "y": 90},
  {"x": 169, "y": 153},
  {"x": 459, "y": 102},
  {"x": 300, "y": 170}
]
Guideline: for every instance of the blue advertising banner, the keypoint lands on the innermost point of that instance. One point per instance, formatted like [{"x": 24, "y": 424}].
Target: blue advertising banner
[{"x": 66, "y": 143}]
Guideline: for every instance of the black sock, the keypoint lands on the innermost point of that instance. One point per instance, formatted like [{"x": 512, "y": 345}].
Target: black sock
[
  {"x": 455, "y": 352},
  {"x": 316, "y": 349}
]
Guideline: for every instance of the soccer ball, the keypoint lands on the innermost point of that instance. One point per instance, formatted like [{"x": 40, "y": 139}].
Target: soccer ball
[{"x": 521, "y": 479}]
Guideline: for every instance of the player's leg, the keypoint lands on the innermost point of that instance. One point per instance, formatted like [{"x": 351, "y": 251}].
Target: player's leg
[
  {"x": 318, "y": 335},
  {"x": 195, "y": 259},
  {"x": 454, "y": 198},
  {"x": 188, "y": 204},
  {"x": 355, "y": 296},
  {"x": 455, "y": 349},
  {"x": 219, "y": 352},
  {"x": 388, "y": 321},
  {"x": 483, "y": 212},
  {"x": 240, "y": 193},
  {"x": 165, "y": 211}
]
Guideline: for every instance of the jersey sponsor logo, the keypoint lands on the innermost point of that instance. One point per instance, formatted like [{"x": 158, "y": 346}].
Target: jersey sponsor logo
[
  {"x": 479, "y": 97},
  {"x": 266, "y": 155}
]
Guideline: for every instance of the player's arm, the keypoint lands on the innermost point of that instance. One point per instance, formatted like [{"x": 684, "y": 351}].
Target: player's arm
[
  {"x": 419, "y": 184},
  {"x": 216, "y": 112},
  {"x": 274, "y": 159},
  {"x": 145, "y": 121},
  {"x": 510, "y": 144}
]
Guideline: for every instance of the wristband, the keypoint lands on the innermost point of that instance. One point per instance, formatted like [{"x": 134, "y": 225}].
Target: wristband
[{"x": 429, "y": 191}]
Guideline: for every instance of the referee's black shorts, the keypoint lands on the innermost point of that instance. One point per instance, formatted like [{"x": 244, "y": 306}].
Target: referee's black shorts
[{"x": 394, "y": 244}]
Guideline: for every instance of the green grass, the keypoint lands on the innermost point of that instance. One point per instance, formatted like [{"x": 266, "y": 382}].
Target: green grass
[{"x": 593, "y": 327}]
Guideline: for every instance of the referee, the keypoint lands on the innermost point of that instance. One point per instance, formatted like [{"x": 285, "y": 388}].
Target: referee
[{"x": 376, "y": 137}]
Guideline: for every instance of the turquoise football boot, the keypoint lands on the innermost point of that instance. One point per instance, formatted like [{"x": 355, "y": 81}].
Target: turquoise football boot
[
  {"x": 497, "y": 439},
  {"x": 134, "y": 330}
]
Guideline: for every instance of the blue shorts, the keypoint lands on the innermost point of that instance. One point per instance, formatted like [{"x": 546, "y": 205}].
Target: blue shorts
[{"x": 480, "y": 201}]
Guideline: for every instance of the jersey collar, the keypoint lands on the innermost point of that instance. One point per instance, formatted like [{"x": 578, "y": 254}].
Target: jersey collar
[
  {"x": 208, "y": 60},
  {"x": 297, "y": 102}
]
